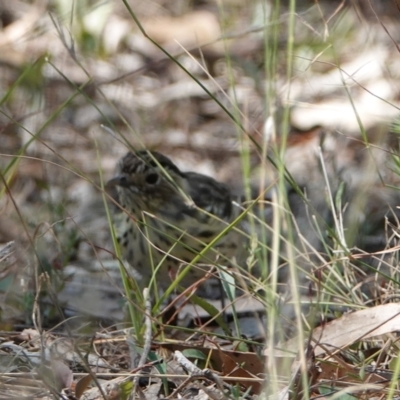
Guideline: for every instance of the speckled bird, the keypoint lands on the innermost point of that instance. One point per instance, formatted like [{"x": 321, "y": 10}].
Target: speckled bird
[{"x": 172, "y": 214}]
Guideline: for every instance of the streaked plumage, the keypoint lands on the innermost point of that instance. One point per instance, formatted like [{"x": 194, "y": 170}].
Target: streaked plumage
[{"x": 163, "y": 206}]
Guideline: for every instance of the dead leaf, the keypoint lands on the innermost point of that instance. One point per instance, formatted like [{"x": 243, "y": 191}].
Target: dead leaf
[
  {"x": 230, "y": 367},
  {"x": 82, "y": 385},
  {"x": 352, "y": 327}
]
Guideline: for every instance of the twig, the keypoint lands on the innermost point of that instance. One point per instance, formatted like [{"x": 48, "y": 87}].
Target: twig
[
  {"x": 7, "y": 250},
  {"x": 195, "y": 373}
]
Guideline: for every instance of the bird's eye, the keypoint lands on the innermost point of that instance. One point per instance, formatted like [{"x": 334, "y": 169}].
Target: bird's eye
[{"x": 152, "y": 179}]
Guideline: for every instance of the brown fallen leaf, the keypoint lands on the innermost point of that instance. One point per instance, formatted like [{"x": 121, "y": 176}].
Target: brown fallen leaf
[
  {"x": 350, "y": 328},
  {"x": 230, "y": 367},
  {"x": 82, "y": 385}
]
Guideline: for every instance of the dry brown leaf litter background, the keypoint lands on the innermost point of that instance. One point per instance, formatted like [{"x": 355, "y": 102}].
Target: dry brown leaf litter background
[{"x": 171, "y": 113}]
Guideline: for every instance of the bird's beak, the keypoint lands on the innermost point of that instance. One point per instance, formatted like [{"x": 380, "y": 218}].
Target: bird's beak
[{"x": 119, "y": 180}]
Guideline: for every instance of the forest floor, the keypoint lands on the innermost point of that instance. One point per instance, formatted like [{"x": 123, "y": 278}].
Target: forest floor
[{"x": 216, "y": 87}]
